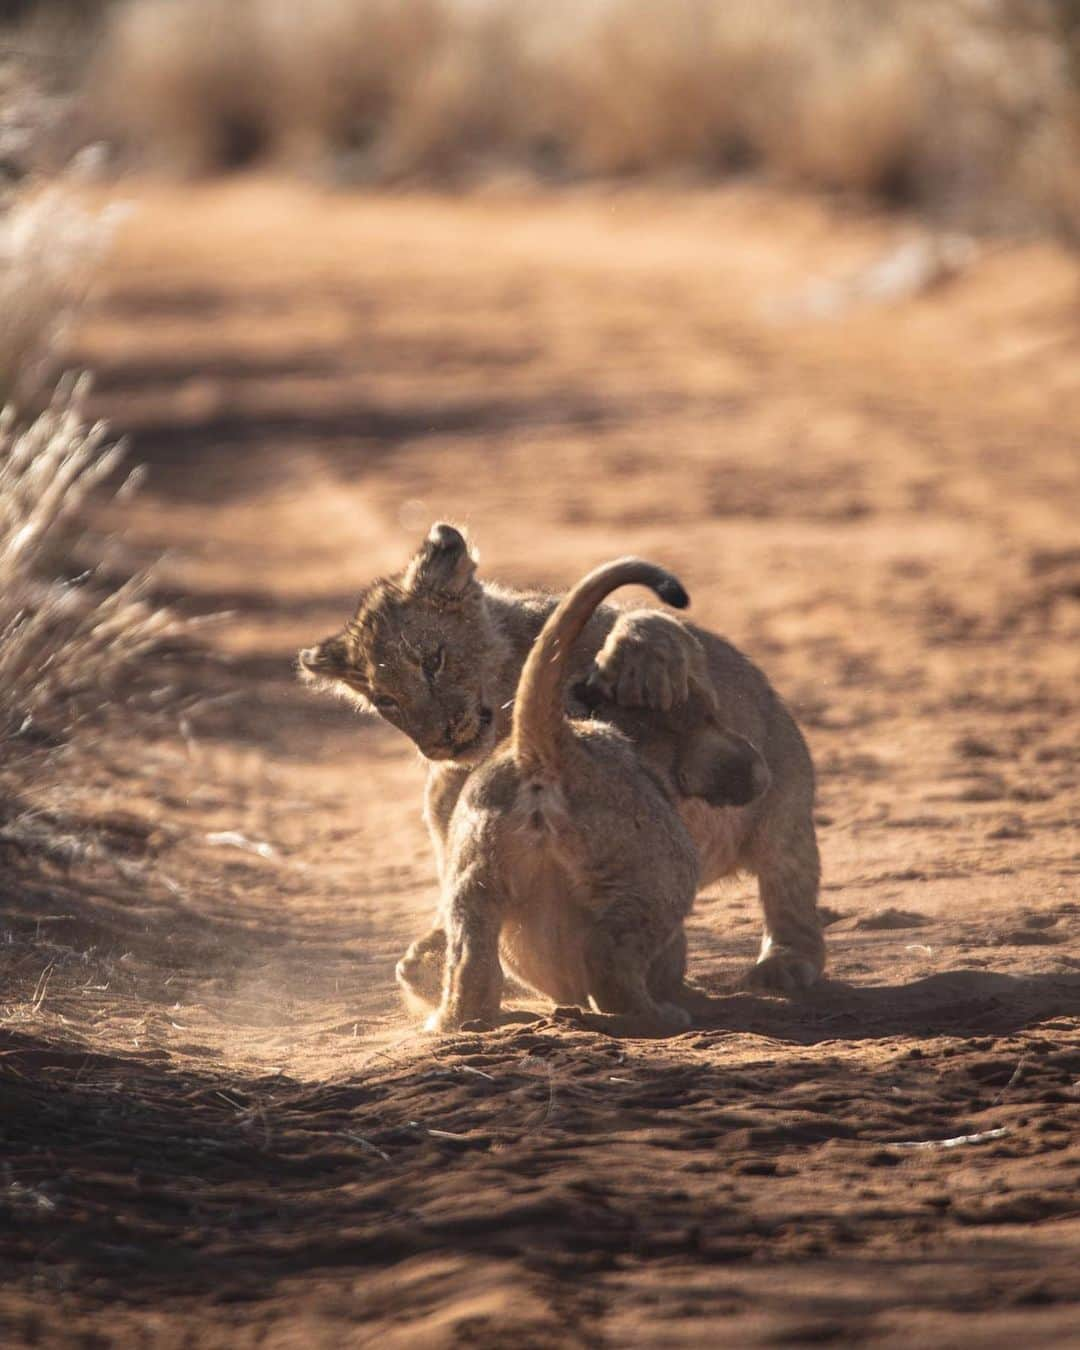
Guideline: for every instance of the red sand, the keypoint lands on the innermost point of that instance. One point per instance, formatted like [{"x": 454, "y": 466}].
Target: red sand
[{"x": 219, "y": 1127}]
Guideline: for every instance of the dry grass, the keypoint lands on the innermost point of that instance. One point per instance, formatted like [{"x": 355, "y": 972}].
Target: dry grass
[
  {"x": 966, "y": 109},
  {"x": 67, "y": 635},
  {"x": 74, "y": 640},
  {"x": 78, "y": 648},
  {"x": 67, "y": 646}
]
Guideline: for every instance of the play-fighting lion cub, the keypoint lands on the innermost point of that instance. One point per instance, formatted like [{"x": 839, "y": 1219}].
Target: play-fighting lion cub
[
  {"x": 438, "y": 654},
  {"x": 567, "y": 863}
]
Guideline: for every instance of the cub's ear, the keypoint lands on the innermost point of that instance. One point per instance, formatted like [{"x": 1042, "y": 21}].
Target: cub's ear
[
  {"x": 443, "y": 564},
  {"x": 723, "y": 768},
  {"x": 327, "y": 661}
]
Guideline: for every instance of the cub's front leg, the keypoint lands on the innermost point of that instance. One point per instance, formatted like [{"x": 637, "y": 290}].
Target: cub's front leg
[
  {"x": 421, "y": 971},
  {"x": 473, "y": 978},
  {"x": 649, "y": 660}
]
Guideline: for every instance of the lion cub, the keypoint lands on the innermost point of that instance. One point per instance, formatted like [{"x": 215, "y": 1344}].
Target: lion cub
[{"x": 567, "y": 863}]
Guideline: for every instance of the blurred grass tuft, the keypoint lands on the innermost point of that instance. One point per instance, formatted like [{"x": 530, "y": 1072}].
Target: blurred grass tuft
[{"x": 967, "y": 111}]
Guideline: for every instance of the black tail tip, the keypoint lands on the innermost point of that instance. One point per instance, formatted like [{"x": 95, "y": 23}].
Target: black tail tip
[
  {"x": 671, "y": 591},
  {"x": 444, "y": 536}
]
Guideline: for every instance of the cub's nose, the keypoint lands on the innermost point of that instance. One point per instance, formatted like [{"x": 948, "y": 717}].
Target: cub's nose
[{"x": 485, "y": 718}]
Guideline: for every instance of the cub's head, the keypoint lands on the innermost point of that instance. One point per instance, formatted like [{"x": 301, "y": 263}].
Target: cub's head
[{"x": 421, "y": 651}]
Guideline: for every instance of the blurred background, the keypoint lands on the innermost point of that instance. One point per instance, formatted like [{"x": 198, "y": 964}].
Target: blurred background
[{"x": 965, "y": 110}]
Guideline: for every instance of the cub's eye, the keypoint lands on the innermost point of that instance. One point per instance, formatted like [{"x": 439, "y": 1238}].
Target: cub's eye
[
  {"x": 384, "y": 703},
  {"x": 433, "y": 662}
]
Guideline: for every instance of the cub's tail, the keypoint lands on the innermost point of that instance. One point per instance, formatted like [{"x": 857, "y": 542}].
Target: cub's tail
[{"x": 539, "y": 721}]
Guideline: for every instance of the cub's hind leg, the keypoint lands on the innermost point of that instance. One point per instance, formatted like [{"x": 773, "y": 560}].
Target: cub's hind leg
[
  {"x": 782, "y": 852},
  {"x": 668, "y": 981},
  {"x": 472, "y": 977},
  {"x": 667, "y": 969},
  {"x": 620, "y": 948},
  {"x": 792, "y": 954}
]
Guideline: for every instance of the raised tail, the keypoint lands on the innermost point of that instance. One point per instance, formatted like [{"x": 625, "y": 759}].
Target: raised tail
[{"x": 539, "y": 719}]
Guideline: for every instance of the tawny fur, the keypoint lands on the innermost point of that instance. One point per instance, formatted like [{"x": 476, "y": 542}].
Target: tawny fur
[
  {"x": 448, "y": 651},
  {"x": 567, "y": 863}
]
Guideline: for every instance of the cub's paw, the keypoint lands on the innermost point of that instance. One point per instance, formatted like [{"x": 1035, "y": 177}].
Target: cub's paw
[
  {"x": 648, "y": 661},
  {"x": 420, "y": 987},
  {"x": 783, "y": 971},
  {"x": 419, "y": 973}
]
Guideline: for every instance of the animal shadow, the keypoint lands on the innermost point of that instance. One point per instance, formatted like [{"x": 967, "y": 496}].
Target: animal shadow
[{"x": 950, "y": 1003}]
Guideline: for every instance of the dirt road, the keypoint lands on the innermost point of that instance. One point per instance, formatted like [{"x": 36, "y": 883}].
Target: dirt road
[{"x": 220, "y": 1128}]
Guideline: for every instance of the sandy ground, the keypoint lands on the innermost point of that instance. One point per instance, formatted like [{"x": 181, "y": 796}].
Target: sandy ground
[{"x": 219, "y": 1127}]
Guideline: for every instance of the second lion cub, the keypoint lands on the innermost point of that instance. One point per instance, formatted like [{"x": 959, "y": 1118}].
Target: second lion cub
[{"x": 567, "y": 862}]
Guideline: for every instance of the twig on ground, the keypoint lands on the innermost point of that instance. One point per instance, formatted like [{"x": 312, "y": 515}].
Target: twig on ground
[
  {"x": 955, "y": 1142},
  {"x": 366, "y": 1143}
]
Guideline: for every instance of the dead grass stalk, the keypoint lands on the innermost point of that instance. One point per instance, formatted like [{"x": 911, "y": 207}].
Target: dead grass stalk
[{"x": 68, "y": 644}]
